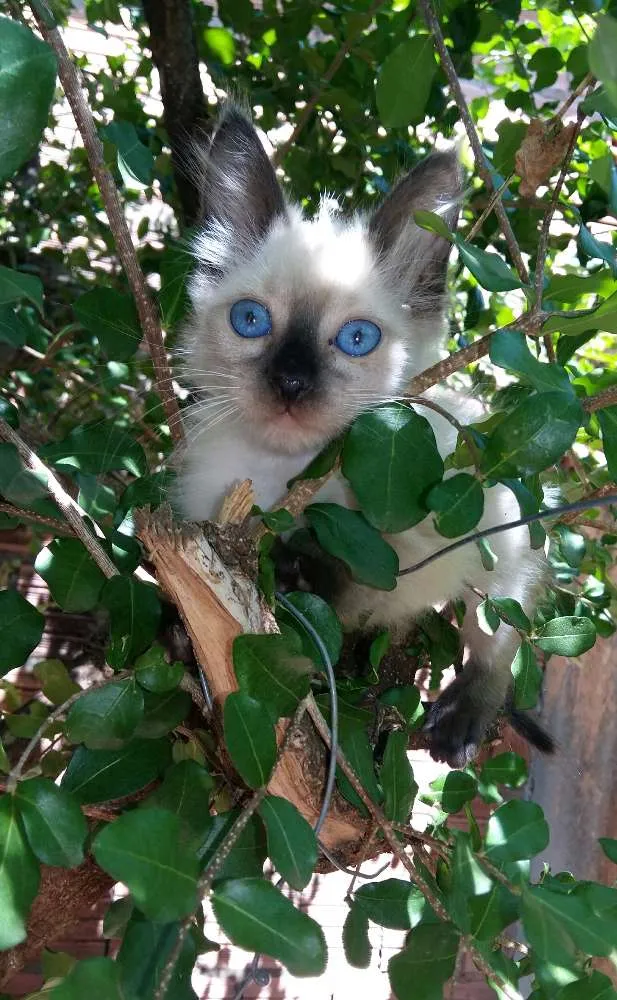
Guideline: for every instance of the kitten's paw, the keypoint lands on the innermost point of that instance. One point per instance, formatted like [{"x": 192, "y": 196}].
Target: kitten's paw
[{"x": 455, "y": 726}]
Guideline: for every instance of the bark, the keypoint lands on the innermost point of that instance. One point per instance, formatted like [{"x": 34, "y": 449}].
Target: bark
[
  {"x": 185, "y": 114},
  {"x": 63, "y": 898},
  {"x": 216, "y": 605}
]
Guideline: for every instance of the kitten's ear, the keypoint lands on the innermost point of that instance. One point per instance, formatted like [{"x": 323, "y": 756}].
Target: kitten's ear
[
  {"x": 418, "y": 258},
  {"x": 240, "y": 194}
]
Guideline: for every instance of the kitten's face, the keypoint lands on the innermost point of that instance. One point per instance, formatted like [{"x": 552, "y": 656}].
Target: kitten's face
[{"x": 299, "y": 325}]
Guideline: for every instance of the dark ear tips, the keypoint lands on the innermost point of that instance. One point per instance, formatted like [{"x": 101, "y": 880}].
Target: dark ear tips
[
  {"x": 239, "y": 188},
  {"x": 419, "y": 258}
]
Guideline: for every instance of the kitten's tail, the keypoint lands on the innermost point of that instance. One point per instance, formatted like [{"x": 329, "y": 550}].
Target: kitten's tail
[{"x": 530, "y": 730}]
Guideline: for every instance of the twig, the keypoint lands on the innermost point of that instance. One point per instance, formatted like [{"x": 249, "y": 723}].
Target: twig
[
  {"x": 602, "y": 491},
  {"x": 395, "y": 846},
  {"x": 16, "y": 772},
  {"x": 496, "y": 195},
  {"x": 57, "y": 526},
  {"x": 548, "y": 215},
  {"x": 463, "y": 431},
  {"x": 69, "y": 507},
  {"x": 328, "y": 74},
  {"x": 602, "y": 399},
  {"x": 73, "y": 88},
  {"x": 432, "y": 22},
  {"x": 220, "y": 855},
  {"x": 587, "y": 81}
]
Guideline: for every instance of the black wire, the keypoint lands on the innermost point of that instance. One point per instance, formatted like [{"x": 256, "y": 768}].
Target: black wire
[
  {"x": 566, "y": 508},
  {"x": 255, "y": 974}
]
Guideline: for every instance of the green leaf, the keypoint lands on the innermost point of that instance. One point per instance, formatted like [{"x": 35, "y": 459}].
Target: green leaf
[
  {"x": 221, "y": 43},
  {"x": 489, "y": 269},
  {"x": 607, "y": 419},
  {"x": 388, "y": 903},
  {"x": 154, "y": 672},
  {"x": 5, "y": 764},
  {"x": 567, "y": 636},
  {"x": 406, "y": 699},
  {"x": 98, "y": 448},
  {"x": 256, "y": 916},
  {"x": 55, "y": 681},
  {"x": 378, "y": 649},
  {"x": 249, "y": 738},
  {"x": 20, "y": 486},
  {"x": 19, "y": 876},
  {"x": 390, "y": 458},
  {"x": 420, "y": 970},
  {"x": 354, "y": 741},
  {"x": 269, "y": 671},
  {"x": 21, "y": 629},
  {"x": 13, "y": 330},
  {"x": 186, "y": 791},
  {"x": 459, "y": 503},
  {"x": 605, "y": 316},
  {"x": 535, "y": 435},
  {"x": 102, "y": 775},
  {"x": 134, "y": 611},
  {"x": 248, "y": 854},
  {"x": 356, "y": 941},
  {"x": 545, "y": 63},
  {"x": 324, "y": 620},
  {"x": 15, "y": 285},
  {"x": 322, "y": 463},
  {"x": 396, "y": 774},
  {"x": 516, "y": 830},
  {"x": 92, "y": 977},
  {"x": 135, "y": 161},
  {"x": 506, "y": 768},
  {"x": 491, "y": 913},
  {"x": 457, "y": 788},
  {"x": 488, "y": 619},
  {"x": 593, "y": 987},
  {"x": 74, "y": 579},
  {"x": 117, "y": 916},
  {"x": 511, "y": 613},
  {"x": 528, "y": 504},
  {"x": 175, "y": 272},
  {"x": 106, "y": 717},
  {"x": 508, "y": 349},
  {"x": 467, "y": 879},
  {"x": 609, "y": 846},
  {"x": 404, "y": 82},
  {"x": 292, "y": 844},
  {"x": 348, "y": 535},
  {"x": 433, "y": 223},
  {"x": 27, "y": 83},
  {"x": 144, "y": 953},
  {"x": 55, "y": 826},
  {"x": 557, "y": 923},
  {"x": 144, "y": 849},
  {"x": 601, "y": 55},
  {"x": 162, "y": 713},
  {"x": 112, "y": 318}
]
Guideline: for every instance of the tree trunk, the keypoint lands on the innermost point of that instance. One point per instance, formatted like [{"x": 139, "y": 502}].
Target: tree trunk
[{"x": 185, "y": 112}]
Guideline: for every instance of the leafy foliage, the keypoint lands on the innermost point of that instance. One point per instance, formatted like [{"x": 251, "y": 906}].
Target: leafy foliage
[{"x": 78, "y": 384}]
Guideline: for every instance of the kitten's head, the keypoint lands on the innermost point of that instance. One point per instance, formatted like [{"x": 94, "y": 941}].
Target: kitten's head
[{"x": 298, "y": 325}]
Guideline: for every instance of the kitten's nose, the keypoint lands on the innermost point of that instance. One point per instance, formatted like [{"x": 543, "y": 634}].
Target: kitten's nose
[{"x": 290, "y": 387}]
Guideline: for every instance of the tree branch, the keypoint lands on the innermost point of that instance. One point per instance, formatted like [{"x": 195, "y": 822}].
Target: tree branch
[
  {"x": 53, "y": 523},
  {"x": 432, "y": 23},
  {"x": 151, "y": 327},
  {"x": 598, "y": 402},
  {"x": 395, "y": 846},
  {"x": 71, "y": 510}
]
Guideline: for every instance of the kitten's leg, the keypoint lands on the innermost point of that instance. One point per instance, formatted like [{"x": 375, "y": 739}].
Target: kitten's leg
[{"x": 460, "y": 717}]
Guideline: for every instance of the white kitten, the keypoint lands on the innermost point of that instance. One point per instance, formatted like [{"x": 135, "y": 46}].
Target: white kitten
[{"x": 297, "y": 327}]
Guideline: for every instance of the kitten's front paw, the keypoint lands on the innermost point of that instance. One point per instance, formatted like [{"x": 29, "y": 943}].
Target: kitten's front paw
[{"x": 456, "y": 726}]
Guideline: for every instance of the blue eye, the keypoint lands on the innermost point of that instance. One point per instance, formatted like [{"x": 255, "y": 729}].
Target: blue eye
[
  {"x": 250, "y": 318},
  {"x": 358, "y": 337}
]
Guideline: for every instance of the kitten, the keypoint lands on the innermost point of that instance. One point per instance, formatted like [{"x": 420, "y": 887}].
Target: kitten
[{"x": 300, "y": 325}]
